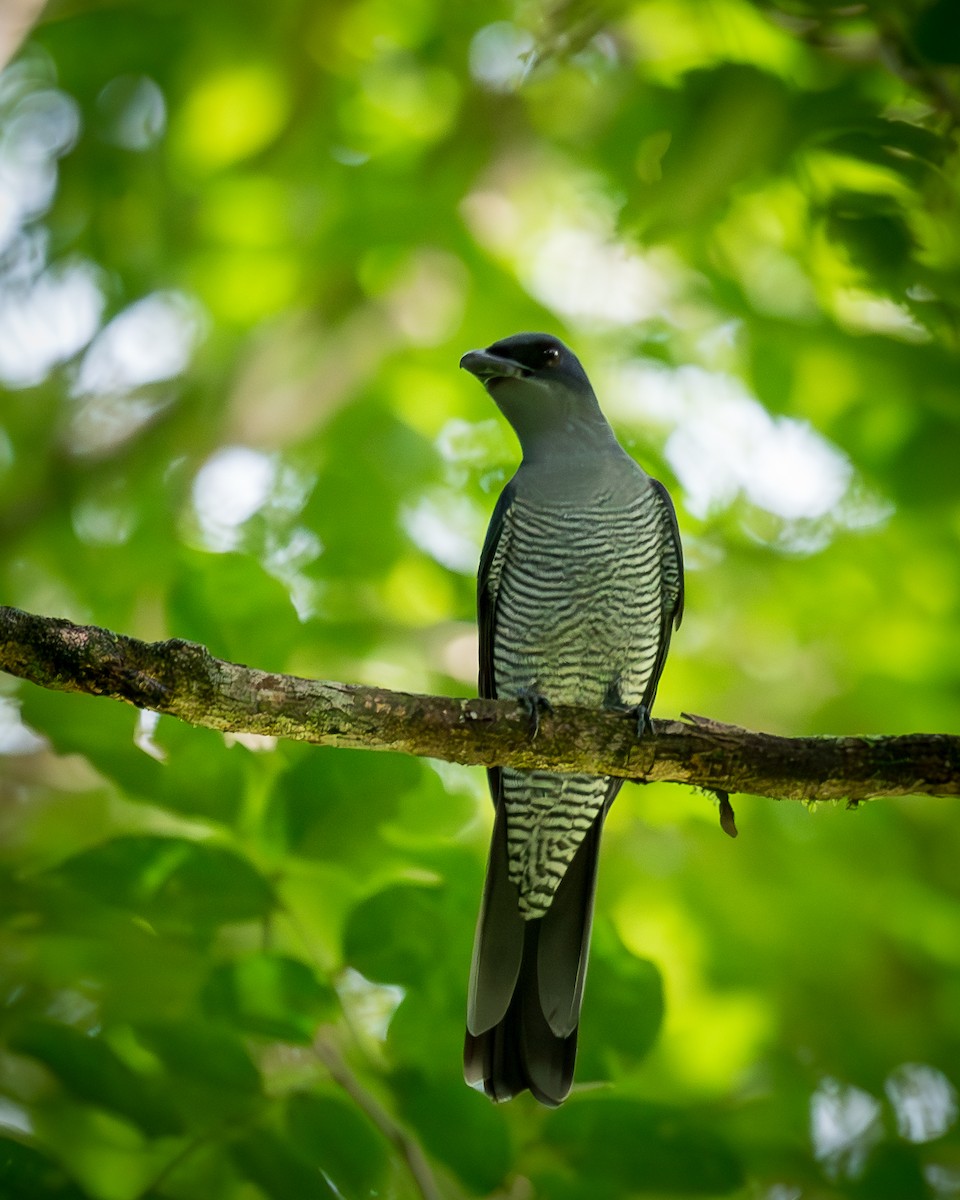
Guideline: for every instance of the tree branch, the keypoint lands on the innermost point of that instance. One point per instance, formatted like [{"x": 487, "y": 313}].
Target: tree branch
[{"x": 185, "y": 681}]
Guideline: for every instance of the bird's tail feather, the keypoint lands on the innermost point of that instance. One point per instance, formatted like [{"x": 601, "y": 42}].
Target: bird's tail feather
[
  {"x": 522, "y": 1051},
  {"x": 523, "y": 1018}
]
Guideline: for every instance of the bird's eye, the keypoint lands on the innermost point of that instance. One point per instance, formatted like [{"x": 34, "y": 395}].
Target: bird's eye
[{"x": 551, "y": 356}]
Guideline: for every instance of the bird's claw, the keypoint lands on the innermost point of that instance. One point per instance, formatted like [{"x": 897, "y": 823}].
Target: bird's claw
[
  {"x": 639, "y": 712},
  {"x": 614, "y": 702},
  {"x": 644, "y": 721},
  {"x": 533, "y": 704}
]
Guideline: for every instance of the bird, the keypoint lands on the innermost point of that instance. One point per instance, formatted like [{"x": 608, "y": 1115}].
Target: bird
[{"x": 579, "y": 588}]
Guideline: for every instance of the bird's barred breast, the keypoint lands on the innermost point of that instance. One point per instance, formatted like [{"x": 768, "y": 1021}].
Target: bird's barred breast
[
  {"x": 578, "y": 621},
  {"x": 579, "y": 602}
]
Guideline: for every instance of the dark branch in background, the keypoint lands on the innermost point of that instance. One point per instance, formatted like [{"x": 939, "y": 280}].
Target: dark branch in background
[
  {"x": 900, "y": 55},
  {"x": 893, "y": 49},
  {"x": 184, "y": 680}
]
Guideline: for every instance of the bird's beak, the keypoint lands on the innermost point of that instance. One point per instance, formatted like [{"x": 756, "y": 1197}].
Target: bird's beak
[{"x": 487, "y": 366}]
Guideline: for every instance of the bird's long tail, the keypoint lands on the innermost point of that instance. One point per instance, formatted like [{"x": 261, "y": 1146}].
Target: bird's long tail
[{"x": 526, "y": 982}]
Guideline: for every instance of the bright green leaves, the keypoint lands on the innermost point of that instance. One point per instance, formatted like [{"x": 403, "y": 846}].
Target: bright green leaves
[
  {"x": 332, "y": 804},
  {"x": 229, "y": 603},
  {"x": 317, "y": 1145},
  {"x": 418, "y": 938},
  {"x": 353, "y": 506},
  {"x": 734, "y": 125},
  {"x": 270, "y": 996}
]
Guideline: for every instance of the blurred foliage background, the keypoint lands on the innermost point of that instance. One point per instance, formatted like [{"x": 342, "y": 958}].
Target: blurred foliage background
[{"x": 243, "y": 246}]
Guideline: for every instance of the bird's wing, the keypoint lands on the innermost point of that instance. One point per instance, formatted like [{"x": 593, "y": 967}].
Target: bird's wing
[
  {"x": 672, "y": 557},
  {"x": 498, "y": 945},
  {"x": 671, "y": 583},
  {"x": 494, "y": 551}
]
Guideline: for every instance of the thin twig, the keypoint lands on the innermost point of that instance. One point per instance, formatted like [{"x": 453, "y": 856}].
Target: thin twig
[
  {"x": 224, "y": 1130},
  {"x": 408, "y": 1148}
]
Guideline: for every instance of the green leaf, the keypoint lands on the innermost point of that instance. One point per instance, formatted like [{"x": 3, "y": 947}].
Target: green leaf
[
  {"x": 232, "y": 606},
  {"x": 873, "y": 230},
  {"x": 100, "y": 730},
  {"x": 339, "y": 1140},
  {"x": 272, "y": 1163},
  {"x": 925, "y": 465},
  {"x": 395, "y": 935},
  {"x": 624, "y": 999},
  {"x": 426, "y": 1032},
  {"x": 893, "y": 1172},
  {"x": 203, "y": 1052},
  {"x": 270, "y": 995},
  {"x": 897, "y": 145},
  {"x": 387, "y": 456},
  {"x": 200, "y": 775},
  {"x": 643, "y": 1147},
  {"x": 458, "y": 1126},
  {"x": 332, "y": 803},
  {"x": 94, "y": 1072},
  {"x": 171, "y": 882},
  {"x": 28, "y": 1174}
]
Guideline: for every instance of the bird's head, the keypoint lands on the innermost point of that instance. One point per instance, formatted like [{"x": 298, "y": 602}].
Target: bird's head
[{"x": 537, "y": 383}]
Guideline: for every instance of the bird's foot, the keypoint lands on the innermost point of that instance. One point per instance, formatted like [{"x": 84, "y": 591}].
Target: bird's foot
[
  {"x": 640, "y": 713},
  {"x": 533, "y": 704},
  {"x": 644, "y": 721}
]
